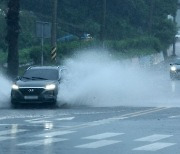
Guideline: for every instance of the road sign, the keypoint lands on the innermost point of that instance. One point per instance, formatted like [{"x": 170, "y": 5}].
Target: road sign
[{"x": 43, "y": 29}]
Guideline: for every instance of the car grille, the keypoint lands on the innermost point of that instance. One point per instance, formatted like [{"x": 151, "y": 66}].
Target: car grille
[{"x": 31, "y": 91}]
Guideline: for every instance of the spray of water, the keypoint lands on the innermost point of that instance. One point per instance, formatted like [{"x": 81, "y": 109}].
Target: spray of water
[
  {"x": 5, "y": 88},
  {"x": 94, "y": 78}
]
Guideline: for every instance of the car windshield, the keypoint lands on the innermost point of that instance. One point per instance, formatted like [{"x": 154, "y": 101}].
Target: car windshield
[
  {"x": 177, "y": 62},
  {"x": 41, "y": 74}
]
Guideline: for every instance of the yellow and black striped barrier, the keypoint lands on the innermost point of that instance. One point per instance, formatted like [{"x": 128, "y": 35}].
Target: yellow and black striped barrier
[{"x": 53, "y": 53}]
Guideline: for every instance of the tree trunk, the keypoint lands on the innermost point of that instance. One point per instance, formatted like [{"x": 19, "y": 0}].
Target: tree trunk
[
  {"x": 12, "y": 20},
  {"x": 54, "y": 23}
]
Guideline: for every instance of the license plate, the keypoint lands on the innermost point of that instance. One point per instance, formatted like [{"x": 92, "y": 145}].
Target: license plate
[{"x": 30, "y": 97}]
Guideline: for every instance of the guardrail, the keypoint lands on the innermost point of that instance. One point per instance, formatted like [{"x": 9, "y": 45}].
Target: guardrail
[{"x": 149, "y": 60}]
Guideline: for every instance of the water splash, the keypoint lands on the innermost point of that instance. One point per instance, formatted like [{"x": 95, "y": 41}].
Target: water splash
[
  {"x": 5, "y": 89},
  {"x": 94, "y": 78}
]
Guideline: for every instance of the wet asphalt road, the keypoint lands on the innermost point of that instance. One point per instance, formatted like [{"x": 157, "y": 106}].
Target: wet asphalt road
[{"x": 79, "y": 130}]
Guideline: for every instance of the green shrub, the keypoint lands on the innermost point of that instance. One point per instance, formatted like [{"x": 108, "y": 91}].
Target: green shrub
[
  {"x": 3, "y": 57},
  {"x": 24, "y": 56},
  {"x": 125, "y": 48},
  {"x": 36, "y": 52},
  {"x": 136, "y": 43}
]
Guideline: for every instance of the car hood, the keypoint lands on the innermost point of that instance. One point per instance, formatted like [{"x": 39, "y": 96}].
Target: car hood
[
  {"x": 34, "y": 83},
  {"x": 177, "y": 66}
]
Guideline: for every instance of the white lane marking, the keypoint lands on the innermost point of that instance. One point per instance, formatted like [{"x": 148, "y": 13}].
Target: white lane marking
[
  {"x": 153, "y": 138},
  {"x": 102, "y": 136},
  {"x": 103, "y": 121},
  {"x": 42, "y": 120},
  {"x": 62, "y": 114},
  {"x": 171, "y": 117},
  {"x": 66, "y": 118},
  {"x": 42, "y": 142},
  {"x": 31, "y": 116},
  {"x": 9, "y": 132},
  {"x": 5, "y": 138},
  {"x": 154, "y": 146},
  {"x": 38, "y": 122},
  {"x": 37, "y": 119},
  {"x": 56, "y": 133},
  {"x": 108, "y": 120},
  {"x": 98, "y": 144}
]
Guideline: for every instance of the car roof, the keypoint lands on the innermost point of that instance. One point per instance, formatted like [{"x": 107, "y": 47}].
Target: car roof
[{"x": 46, "y": 67}]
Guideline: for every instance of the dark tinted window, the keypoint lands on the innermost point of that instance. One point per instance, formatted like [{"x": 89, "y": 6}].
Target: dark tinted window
[
  {"x": 177, "y": 61},
  {"x": 50, "y": 74}
]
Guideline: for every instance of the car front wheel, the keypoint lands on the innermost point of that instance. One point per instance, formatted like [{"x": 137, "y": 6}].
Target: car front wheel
[{"x": 172, "y": 76}]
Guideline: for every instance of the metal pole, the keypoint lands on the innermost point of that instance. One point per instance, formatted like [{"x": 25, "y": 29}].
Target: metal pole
[
  {"x": 174, "y": 39},
  {"x": 42, "y": 45}
]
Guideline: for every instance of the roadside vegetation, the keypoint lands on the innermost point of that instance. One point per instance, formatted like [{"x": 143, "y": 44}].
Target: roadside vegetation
[{"x": 133, "y": 27}]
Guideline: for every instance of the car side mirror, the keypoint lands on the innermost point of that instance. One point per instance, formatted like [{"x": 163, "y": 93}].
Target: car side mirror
[
  {"x": 18, "y": 78},
  {"x": 59, "y": 80}
]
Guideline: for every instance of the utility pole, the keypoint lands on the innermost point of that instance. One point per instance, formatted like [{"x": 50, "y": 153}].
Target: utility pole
[
  {"x": 103, "y": 22},
  {"x": 174, "y": 39},
  {"x": 151, "y": 17},
  {"x": 42, "y": 45},
  {"x": 54, "y": 28}
]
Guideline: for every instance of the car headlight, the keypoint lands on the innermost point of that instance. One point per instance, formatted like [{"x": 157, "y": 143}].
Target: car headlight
[
  {"x": 15, "y": 87},
  {"x": 50, "y": 87},
  {"x": 173, "y": 68}
]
